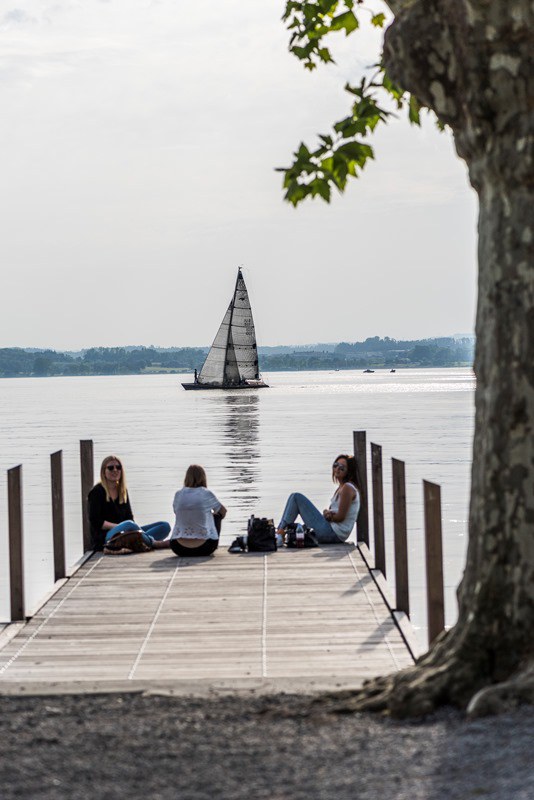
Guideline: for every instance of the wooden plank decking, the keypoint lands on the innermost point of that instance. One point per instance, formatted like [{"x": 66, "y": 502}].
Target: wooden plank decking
[{"x": 152, "y": 617}]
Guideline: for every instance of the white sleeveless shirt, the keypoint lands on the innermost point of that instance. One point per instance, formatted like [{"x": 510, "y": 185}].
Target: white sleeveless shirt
[{"x": 343, "y": 529}]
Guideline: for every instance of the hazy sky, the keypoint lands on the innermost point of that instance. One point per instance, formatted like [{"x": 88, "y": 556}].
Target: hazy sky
[{"x": 138, "y": 141}]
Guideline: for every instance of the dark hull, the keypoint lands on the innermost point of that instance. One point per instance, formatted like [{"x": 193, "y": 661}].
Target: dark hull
[{"x": 227, "y": 387}]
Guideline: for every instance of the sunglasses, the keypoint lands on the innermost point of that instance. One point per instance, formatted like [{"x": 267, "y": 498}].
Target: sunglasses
[
  {"x": 338, "y": 465},
  {"x": 114, "y": 467}
]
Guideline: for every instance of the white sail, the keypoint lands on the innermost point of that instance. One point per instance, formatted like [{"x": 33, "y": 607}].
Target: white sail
[
  {"x": 242, "y": 333},
  {"x": 213, "y": 368},
  {"x": 233, "y": 356}
]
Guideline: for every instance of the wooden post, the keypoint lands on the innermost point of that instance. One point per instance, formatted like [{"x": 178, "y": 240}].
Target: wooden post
[
  {"x": 434, "y": 560},
  {"x": 360, "y": 454},
  {"x": 400, "y": 536},
  {"x": 16, "y": 552},
  {"x": 87, "y": 478},
  {"x": 378, "y": 508},
  {"x": 58, "y": 516}
]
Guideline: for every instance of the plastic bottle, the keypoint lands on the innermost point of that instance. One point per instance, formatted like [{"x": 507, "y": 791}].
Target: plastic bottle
[{"x": 299, "y": 535}]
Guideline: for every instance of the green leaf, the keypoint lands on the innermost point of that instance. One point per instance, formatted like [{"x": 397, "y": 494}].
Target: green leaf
[
  {"x": 320, "y": 187},
  {"x": 346, "y": 22},
  {"x": 300, "y": 52},
  {"x": 325, "y": 56},
  {"x": 414, "y": 109},
  {"x": 378, "y": 20},
  {"x": 393, "y": 89},
  {"x": 356, "y": 151},
  {"x": 295, "y": 193},
  {"x": 327, "y": 5},
  {"x": 355, "y": 90},
  {"x": 352, "y": 128},
  {"x": 327, "y": 164}
]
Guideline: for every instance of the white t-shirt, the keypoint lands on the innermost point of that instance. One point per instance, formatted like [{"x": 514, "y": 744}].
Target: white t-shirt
[{"x": 193, "y": 507}]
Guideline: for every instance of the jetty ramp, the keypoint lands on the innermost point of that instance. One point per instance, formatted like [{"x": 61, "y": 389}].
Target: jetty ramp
[{"x": 296, "y": 620}]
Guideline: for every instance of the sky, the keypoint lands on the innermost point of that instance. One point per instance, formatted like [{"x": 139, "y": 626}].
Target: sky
[{"x": 138, "y": 147}]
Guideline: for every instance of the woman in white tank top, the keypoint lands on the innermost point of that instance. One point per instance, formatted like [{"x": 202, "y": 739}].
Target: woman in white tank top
[{"x": 336, "y": 522}]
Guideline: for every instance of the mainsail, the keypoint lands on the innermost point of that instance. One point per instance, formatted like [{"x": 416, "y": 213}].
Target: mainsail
[{"x": 233, "y": 356}]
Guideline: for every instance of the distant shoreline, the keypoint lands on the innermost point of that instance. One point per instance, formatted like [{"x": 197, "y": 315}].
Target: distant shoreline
[
  {"x": 374, "y": 353},
  {"x": 460, "y": 365}
]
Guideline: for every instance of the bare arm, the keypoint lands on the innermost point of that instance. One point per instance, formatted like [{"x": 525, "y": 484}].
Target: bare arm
[
  {"x": 222, "y": 511},
  {"x": 346, "y": 496}
]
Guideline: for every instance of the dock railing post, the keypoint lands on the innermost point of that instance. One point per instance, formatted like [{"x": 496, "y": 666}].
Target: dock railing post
[
  {"x": 360, "y": 454},
  {"x": 400, "y": 536},
  {"x": 378, "y": 508},
  {"x": 16, "y": 550},
  {"x": 434, "y": 560},
  {"x": 58, "y": 515},
  {"x": 87, "y": 479}
]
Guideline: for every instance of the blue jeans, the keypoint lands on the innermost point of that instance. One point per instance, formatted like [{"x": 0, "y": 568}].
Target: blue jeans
[
  {"x": 154, "y": 531},
  {"x": 311, "y": 516}
]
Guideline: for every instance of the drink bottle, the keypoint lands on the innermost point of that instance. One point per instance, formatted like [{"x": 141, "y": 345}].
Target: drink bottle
[{"x": 299, "y": 535}]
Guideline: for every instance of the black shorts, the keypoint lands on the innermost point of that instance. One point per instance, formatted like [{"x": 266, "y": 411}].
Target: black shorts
[{"x": 206, "y": 549}]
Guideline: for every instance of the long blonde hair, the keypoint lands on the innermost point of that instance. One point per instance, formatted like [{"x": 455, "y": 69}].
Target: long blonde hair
[{"x": 123, "y": 489}]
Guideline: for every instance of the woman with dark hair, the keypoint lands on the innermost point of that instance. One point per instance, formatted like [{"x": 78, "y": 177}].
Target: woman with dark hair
[
  {"x": 198, "y": 516},
  {"x": 336, "y": 522},
  {"x": 110, "y": 511}
]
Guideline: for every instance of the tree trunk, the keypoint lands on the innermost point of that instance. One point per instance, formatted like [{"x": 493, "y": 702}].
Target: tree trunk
[{"x": 471, "y": 61}]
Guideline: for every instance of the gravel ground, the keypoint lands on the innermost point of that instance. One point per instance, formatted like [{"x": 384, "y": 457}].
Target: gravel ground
[{"x": 237, "y": 747}]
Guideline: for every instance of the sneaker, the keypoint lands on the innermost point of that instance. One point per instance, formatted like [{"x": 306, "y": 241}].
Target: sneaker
[{"x": 237, "y": 546}]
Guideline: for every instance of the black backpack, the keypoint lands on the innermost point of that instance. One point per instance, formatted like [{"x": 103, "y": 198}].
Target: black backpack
[{"x": 261, "y": 535}]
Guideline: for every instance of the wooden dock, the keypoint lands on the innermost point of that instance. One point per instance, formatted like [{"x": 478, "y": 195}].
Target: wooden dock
[{"x": 295, "y": 618}]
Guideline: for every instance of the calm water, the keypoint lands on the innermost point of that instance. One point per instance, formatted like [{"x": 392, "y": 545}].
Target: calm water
[{"x": 257, "y": 446}]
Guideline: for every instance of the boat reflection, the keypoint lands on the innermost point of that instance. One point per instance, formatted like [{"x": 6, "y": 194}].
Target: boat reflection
[{"x": 238, "y": 434}]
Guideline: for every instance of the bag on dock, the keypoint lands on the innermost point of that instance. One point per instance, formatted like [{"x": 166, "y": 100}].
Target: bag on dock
[
  {"x": 291, "y": 536},
  {"x": 261, "y": 535},
  {"x": 131, "y": 541}
]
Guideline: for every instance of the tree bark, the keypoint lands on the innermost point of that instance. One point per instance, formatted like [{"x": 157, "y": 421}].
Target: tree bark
[{"x": 472, "y": 62}]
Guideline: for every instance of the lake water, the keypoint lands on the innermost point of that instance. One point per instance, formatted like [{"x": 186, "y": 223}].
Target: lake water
[{"x": 256, "y": 446}]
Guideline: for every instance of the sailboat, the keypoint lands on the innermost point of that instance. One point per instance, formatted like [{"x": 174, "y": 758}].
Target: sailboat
[{"x": 232, "y": 362}]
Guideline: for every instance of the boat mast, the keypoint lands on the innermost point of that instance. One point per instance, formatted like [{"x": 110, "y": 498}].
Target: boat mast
[{"x": 230, "y": 322}]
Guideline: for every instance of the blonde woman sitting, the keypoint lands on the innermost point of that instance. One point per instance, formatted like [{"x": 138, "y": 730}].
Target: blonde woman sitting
[{"x": 110, "y": 511}]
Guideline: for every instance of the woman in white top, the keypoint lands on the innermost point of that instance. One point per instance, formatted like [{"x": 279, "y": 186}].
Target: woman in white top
[
  {"x": 198, "y": 516},
  {"x": 336, "y": 522}
]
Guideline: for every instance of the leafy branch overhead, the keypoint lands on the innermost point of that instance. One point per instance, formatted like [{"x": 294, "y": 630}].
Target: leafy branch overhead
[{"x": 342, "y": 153}]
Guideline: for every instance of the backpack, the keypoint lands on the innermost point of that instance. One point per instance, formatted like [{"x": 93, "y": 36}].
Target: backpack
[{"x": 261, "y": 535}]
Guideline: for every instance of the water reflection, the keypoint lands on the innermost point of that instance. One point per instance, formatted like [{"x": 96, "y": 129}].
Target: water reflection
[{"x": 238, "y": 436}]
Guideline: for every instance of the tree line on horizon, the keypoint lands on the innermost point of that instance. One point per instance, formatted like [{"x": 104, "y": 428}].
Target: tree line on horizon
[{"x": 373, "y": 353}]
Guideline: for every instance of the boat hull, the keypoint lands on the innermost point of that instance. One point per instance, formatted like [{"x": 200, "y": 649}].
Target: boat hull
[{"x": 228, "y": 387}]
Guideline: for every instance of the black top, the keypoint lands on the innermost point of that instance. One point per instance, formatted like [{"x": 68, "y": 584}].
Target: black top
[{"x": 101, "y": 510}]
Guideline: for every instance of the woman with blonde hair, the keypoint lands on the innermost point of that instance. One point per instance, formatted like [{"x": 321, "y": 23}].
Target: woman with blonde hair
[
  {"x": 198, "y": 516},
  {"x": 110, "y": 511}
]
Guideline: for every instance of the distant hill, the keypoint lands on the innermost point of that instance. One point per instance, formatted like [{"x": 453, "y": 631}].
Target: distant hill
[{"x": 373, "y": 353}]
